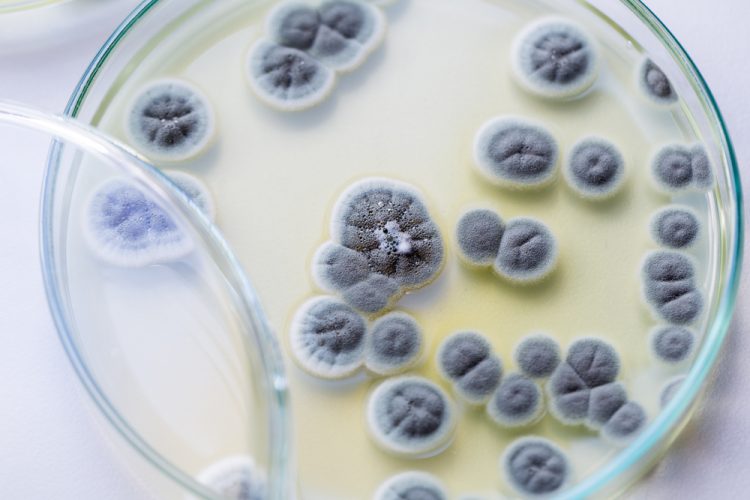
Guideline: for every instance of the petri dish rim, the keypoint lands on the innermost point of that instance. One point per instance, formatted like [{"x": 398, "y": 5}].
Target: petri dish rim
[
  {"x": 68, "y": 131},
  {"x": 646, "y": 447}
]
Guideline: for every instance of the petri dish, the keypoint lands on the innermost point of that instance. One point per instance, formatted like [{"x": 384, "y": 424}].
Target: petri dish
[
  {"x": 137, "y": 277},
  {"x": 380, "y": 120}
]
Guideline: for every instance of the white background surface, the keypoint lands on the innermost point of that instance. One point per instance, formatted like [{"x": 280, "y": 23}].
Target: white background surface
[{"x": 49, "y": 448}]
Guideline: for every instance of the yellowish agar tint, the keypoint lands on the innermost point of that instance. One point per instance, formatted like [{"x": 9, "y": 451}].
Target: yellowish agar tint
[{"x": 411, "y": 112}]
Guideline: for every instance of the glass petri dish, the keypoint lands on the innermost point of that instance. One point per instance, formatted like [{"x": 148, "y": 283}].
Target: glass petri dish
[
  {"x": 137, "y": 50},
  {"x": 151, "y": 305}
]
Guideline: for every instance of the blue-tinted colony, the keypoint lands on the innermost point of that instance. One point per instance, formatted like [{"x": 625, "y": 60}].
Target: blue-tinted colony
[
  {"x": 466, "y": 360},
  {"x": 518, "y": 401},
  {"x": 515, "y": 153},
  {"x": 478, "y": 235},
  {"x": 328, "y": 338},
  {"x": 412, "y": 485},
  {"x": 675, "y": 227},
  {"x": 672, "y": 344},
  {"x": 286, "y": 78},
  {"x": 394, "y": 344},
  {"x": 235, "y": 478},
  {"x": 124, "y": 227},
  {"x": 655, "y": 84},
  {"x": 678, "y": 167},
  {"x": 595, "y": 168},
  {"x": 339, "y": 33},
  {"x": 535, "y": 466},
  {"x": 410, "y": 416},
  {"x": 669, "y": 287},
  {"x": 170, "y": 120},
  {"x": 195, "y": 189},
  {"x": 528, "y": 251},
  {"x": 554, "y": 58},
  {"x": 384, "y": 243},
  {"x": 537, "y": 355}
]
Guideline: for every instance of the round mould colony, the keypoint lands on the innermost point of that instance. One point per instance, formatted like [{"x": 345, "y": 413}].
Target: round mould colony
[
  {"x": 595, "y": 169},
  {"x": 554, "y": 58},
  {"x": 516, "y": 153},
  {"x": 535, "y": 467},
  {"x": 235, "y": 477},
  {"x": 123, "y": 226},
  {"x": 295, "y": 67},
  {"x": 672, "y": 344},
  {"x": 411, "y": 417},
  {"x": 537, "y": 355},
  {"x": 517, "y": 402},
  {"x": 412, "y": 485},
  {"x": 675, "y": 227},
  {"x": 170, "y": 120},
  {"x": 654, "y": 83},
  {"x": 384, "y": 243}
]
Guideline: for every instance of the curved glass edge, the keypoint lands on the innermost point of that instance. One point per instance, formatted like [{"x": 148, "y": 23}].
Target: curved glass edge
[
  {"x": 669, "y": 419},
  {"x": 69, "y": 131}
]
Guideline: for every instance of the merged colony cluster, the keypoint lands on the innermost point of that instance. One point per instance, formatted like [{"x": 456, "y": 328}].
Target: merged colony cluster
[
  {"x": 384, "y": 242},
  {"x": 295, "y": 66}
]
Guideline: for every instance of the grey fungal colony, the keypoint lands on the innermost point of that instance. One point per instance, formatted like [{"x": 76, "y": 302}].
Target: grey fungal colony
[
  {"x": 235, "y": 478},
  {"x": 675, "y": 227},
  {"x": 582, "y": 390},
  {"x": 535, "y": 466},
  {"x": 655, "y": 84},
  {"x": 295, "y": 68},
  {"x": 595, "y": 168},
  {"x": 478, "y": 234},
  {"x": 537, "y": 355},
  {"x": 384, "y": 243},
  {"x": 410, "y": 416},
  {"x": 286, "y": 78},
  {"x": 394, "y": 344},
  {"x": 339, "y": 33},
  {"x": 328, "y": 338},
  {"x": 678, "y": 167},
  {"x": 170, "y": 120},
  {"x": 195, "y": 190},
  {"x": 515, "y": 153},
  {"x": 672, "y": 344},
  {"x": 669, "y": 287},
  {"x": 528, "y": 251},
  {"x": 125, "y": 227},
  {"x": 518, "y": 401},
  {"x": 554, "y": 58},
  {"x": 466, "y": 359},
  {"x": 625, "y": 423},
  {"x": 412, "y": 485}
]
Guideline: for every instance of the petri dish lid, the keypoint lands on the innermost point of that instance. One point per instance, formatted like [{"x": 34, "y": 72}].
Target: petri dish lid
[{"x": 157, "y": 317}]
